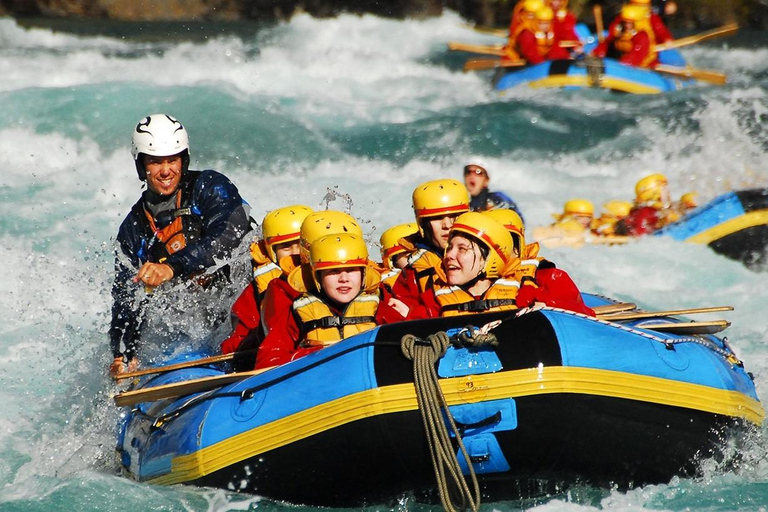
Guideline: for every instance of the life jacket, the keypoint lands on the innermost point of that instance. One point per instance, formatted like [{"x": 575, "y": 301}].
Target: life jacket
[
  {"x": 454, "y": 300},
  {"x": 624, "y": 43},
  {"x": 320, "y": 325},
  {"x": 264, "y": 269},
  {"x": 173, "y": 230},
  {"x": 389, "y": 276},
  {"x": 544, "y": 41},
  {"x": 423, "y": 260}
]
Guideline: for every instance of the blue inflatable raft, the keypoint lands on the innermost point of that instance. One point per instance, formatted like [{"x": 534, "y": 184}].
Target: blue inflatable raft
[
  {"x": 563, "y": 398},
  {"x": 734, "y": 224}
]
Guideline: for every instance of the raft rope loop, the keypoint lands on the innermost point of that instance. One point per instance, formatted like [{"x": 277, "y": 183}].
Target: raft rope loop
[{"x": 424, "y": 354}]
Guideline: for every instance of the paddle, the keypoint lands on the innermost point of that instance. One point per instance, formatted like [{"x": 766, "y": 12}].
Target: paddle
[
  {"x": 483, "y": 49},
  {"x": 723, "y": 31},
  {"x": 704, "y": 75},
  {"x": 597, "y": 10},
  {"x": 653, "y": 314},
  {"x": 484, "y": 64},
  {"x": 712, "y": 327},
  {"x": 186, "y": 387},
  {"x": 187, "y": 364},
  {"x": 614, "y": 308}
]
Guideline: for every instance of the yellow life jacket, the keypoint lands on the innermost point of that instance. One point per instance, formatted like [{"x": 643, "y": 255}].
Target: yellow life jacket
[
  {"x": 389, "y": 276},
  {"x": 423, "y": 261},
  {"x": 456, "y": 301},
  {"x": 318, "y": 324},
  {"x": 264, "y": 269},
  {"x": 544, "y": 41}
]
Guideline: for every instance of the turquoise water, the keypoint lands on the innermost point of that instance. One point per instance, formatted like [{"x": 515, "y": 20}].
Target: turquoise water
[{"x": 350, "y": 112}]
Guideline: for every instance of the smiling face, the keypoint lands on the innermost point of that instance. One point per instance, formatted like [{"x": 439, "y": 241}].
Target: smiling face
[
  {"x": 163, "y": 173},
  {"x": 463, "y": 260},
  {"x": 341, "y": 285}
]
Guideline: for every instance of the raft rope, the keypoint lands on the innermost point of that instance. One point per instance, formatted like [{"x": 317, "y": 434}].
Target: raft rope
[{"x": 424, "y": 354}]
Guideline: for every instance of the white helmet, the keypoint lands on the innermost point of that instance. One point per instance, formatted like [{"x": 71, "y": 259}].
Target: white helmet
[{"x": 159, "y": 135}]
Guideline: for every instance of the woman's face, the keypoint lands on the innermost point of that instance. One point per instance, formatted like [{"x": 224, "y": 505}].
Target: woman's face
[
  {"x": 341, "y": 284},
  {"x": 463, "y": 260}
]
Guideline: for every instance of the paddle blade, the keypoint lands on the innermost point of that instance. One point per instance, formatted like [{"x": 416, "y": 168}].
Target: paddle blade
[
  {"x": 704, "y": 75},
  {"x": 476, "y": 48},
  {"x": 725, "y": 30},
  {"x": 484, "y": 64}
]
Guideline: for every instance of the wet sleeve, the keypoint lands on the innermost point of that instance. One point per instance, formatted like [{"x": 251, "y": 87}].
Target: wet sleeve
[
  {"x": 125, "y": 327},
  {"x": 225, "y": 222}
]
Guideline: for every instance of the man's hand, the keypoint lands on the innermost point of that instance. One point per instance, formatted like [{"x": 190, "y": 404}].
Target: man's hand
[
  {"x": 119, "y": 366},
  {"x": 154, "y": 274}
]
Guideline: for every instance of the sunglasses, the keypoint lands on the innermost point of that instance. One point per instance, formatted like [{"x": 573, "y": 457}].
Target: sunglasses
[{"x": 472, "y": 169}]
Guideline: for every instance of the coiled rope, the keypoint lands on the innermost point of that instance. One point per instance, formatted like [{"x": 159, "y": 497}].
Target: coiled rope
[{"x": 424, "y": 354}]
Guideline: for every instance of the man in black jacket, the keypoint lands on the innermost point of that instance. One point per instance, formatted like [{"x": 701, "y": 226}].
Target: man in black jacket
[{"x": 185, "y": 224}]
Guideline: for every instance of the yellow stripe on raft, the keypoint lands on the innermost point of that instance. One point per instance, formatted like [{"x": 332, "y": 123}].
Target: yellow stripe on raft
[
  {"x": 460, "y": 390},
  {"x": 748, "y": 220},
  {"x": 606, "y": 82}
]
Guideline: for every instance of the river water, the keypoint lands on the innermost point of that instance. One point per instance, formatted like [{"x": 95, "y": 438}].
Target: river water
[{"x": 351, "y": 113}]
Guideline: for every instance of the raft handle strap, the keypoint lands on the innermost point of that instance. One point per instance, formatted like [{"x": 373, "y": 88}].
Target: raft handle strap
[{"x": 424, "y": 354}]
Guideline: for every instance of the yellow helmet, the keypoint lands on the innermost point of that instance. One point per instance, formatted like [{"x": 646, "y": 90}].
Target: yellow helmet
[
  {"x": 644, "y": 3},
  {"x": 329, "y": 222},
  {"x": 578, "y": 208},
  {"x": 283, "y": 225},
  {"x": 512, "y": 221},
  {"x": 390, "y": 241},
  {"x": 340, "y": 250},
  {"x": 491, "y": 234},
  {"x": 618, "y": 208},
  {"x": 439, "y": 198},
  {"x": 533, "y": 6},
  {"x": 634, "y": 13},
  {"x": 545, "y": 14},
  {"x": 688, "y": 200},
  {"x": 650, "y": 188}
]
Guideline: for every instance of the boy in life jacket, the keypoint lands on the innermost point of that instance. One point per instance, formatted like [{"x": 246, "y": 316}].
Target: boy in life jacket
[
  {"x": 394, "y": 255},
  {"x": 632, "y": 40},
  {"x": 651, "y": 210},
  {"x": 660, "y": 31},
  {"x": 183, "y": 224},
  {"x": 534, "y": 39},
  {"x": 613, "y": 212},
  {"x": 339, "y": 297},
  {"x": 436, "y": 205},
  {"x": 280, "y": 239}
]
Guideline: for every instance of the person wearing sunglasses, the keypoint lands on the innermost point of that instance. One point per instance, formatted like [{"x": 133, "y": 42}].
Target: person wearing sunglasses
[{"x": 476, "y": 180}]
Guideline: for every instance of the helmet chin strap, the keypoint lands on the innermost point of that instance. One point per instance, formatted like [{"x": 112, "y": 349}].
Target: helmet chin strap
[{"x": 469, "y": 284}]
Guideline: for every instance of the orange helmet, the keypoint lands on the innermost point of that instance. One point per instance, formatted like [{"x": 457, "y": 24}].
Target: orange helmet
[
  {"x": 489, "y": 233},
  {"x": 439, "y": 198},
  {"x": 283, "y": 225},
  {"x": 390, "y": 241}
]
